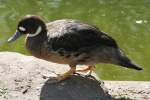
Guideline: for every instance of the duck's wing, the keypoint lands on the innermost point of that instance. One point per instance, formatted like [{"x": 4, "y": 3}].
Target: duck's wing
[{"x": 78, "y": 36}]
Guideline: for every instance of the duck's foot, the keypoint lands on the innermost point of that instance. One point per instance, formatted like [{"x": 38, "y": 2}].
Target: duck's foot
[
  {"x": 89, "y": 68},
  {"x": 62, "y": 77}
]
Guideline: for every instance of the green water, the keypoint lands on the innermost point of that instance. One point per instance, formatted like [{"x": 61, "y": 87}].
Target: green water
[{"x": 127, "y": 21}]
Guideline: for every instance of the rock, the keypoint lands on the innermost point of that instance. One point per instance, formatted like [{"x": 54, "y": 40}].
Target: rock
[
  {"x": 129, "y": 90},
  {"x": 27, "y": 78}
]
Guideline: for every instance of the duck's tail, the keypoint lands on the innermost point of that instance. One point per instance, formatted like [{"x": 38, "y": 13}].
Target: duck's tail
[
  {"x": 129, "y": 64},
  {"x": 124, "y": 61}
]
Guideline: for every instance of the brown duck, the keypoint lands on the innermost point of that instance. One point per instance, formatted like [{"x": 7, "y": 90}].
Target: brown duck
[{"x": 70, "y": 42}]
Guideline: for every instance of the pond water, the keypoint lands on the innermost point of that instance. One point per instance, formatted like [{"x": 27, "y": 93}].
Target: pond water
[{"x": 127, "y": 21}]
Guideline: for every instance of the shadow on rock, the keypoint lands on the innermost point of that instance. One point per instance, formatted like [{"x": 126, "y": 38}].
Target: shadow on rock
[{"x": 76, "y": 87}]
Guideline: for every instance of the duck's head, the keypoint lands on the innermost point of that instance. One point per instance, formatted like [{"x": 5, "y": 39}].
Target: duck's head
[{"x": 31, "y": 25}]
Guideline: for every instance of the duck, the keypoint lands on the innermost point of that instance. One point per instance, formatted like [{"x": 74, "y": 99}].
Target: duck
[{"x": 71, "y": 42}]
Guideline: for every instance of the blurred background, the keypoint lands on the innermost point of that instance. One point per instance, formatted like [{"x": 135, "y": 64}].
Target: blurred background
[{"x": 127, "y": 21}]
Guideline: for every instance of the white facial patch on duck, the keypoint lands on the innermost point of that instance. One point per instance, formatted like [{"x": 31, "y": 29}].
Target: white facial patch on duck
[
  {"x": 39, "y": 29},
  {"x": 22, "y": 28}
]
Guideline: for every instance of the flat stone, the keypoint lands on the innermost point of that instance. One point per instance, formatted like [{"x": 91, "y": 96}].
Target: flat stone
[{"x": 29, "y": 78}]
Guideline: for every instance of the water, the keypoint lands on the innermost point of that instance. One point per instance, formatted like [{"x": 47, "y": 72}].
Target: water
[{"x": 127, "y": 21}]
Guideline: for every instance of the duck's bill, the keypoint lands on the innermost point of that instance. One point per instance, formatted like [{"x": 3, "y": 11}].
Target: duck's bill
[{"x": 14, "y": 37}]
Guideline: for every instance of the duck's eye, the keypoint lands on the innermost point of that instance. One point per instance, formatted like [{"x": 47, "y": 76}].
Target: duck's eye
[{"x": 22, "y": 28}]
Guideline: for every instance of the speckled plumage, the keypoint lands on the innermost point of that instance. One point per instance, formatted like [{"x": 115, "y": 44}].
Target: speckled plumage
[{"x": 71, "y": 42}]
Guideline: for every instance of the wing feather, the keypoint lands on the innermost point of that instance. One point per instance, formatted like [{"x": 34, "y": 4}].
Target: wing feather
[{"x": 77, "y": 36}]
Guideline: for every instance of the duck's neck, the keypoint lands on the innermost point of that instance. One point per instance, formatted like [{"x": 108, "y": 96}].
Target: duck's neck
[{"x": 34, "y": 43}]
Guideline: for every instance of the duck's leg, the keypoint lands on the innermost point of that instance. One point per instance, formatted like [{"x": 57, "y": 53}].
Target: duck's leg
[
  {"x": 67, "y": 74},
  {"x": 89, "y": 68}
]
